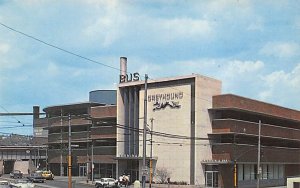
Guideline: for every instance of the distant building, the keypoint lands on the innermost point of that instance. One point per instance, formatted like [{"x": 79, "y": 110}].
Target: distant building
[
  {"x": 93, "y": 136},
  {"x": 108, "y": 97},
  {"x": 40, "y": 134},
  {"x": 17, "y": 152}
]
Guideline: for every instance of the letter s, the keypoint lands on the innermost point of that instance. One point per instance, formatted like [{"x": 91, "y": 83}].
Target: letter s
[{"x": 136, "y": 76}]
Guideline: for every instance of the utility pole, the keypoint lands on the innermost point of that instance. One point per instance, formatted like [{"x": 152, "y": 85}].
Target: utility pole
[
  {"x": 69, "y": 157},
  {"x": 258, "y": 154},
  {"x": 87, "y": 154},
  {"x": 92, "y": 161},
  {"x": 234, "y": 163},
  {"x": 92, "y": 156},
  {"x": 61, "y": 143},
  {"x": 47, "y": 157},
  {"x": 151, "y": 151},
  {"x": 144, "y": 134}
]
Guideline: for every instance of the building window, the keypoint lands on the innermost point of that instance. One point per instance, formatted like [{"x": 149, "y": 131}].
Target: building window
[
  {"x": 265, "y": 172},
  {"x": 269, "y": 171},
  {"x": 276, "y": 172},
  {"x": 249, "y": 173},
  {"x": 240, "y": 172},
  {"x": 281, "y": 171},
  {"x": 104, "y": 170}
]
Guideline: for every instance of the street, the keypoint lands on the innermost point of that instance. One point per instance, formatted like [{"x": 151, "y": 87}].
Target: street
[
  {"x": 61, "y": 184},
  {"x": 58, "y": 182}
]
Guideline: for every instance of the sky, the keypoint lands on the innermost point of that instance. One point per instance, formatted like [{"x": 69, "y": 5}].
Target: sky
[{"x": 252, "y": 46}]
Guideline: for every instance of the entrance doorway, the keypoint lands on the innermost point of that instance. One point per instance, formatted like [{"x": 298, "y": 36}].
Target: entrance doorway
[
  {"x": 211, "y": 176},
  {"x": 211, "y": 179},
  {"x": 82, "y": 170}
]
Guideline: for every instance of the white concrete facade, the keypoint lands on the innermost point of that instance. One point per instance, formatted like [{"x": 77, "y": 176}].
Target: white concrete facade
[{"x": 179, "y": 107}]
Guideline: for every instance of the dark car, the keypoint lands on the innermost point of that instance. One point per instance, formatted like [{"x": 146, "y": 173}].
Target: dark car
[
  {"x": 16, "y": 174},
  {"x": 36, "y": 178}
]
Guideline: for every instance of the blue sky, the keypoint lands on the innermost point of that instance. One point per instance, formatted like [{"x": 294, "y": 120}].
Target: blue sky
[{"x": 252, "y": 46}]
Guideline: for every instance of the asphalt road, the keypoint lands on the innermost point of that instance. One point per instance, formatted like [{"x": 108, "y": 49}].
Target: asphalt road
[
  {"x": 60, "y": 184},
  {"x": 56, "y": 183}
]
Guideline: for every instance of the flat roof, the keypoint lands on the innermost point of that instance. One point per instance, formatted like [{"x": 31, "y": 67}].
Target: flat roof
[
  {"x": 166, "y": 79},
  {"x": 72, "y": 106}
]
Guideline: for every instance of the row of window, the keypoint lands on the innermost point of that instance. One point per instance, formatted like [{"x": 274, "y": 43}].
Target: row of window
[
  {"x": 268, "y": 171},
  {"x": 103, "y": 170},
  {"x": 14, "y": 154}
]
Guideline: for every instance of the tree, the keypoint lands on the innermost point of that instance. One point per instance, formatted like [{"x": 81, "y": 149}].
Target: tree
[{"x": 162, "y": 174}]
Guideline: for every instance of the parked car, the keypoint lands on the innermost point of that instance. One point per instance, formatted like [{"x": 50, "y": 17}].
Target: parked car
[
  {"x": 4, "y": 184},
  {"x": 36, "y": 178},
  {"x": 47, "y": 174},
  {"x": 16, "y": 174},
  {"x": 22, "y": 184},
  {"x": 106, "y": 182}
]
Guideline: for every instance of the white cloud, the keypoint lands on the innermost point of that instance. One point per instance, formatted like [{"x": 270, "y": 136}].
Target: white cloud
[
  {"x": 228, "y": 10},
  {"x": 256, "y": 25},
  {"x": 4, "y": 48},
  {"x": 105, "y": 30},
  {"x": 243, "y": 67},
  {"x": 281, "y": 49},
  {"x": 107, "y": 23},
  {"x": 282, "y": 87},
  {"x": 184, "y": 28},
  {"x": 52, "y": 69},
  {"x": 235, "y": 74}
]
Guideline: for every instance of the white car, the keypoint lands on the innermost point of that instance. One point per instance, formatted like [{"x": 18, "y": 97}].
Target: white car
[
  {"x": 4, "y": 184},
  {"x": 106, "y": 182},
  {"x": 22, "y": 184}
]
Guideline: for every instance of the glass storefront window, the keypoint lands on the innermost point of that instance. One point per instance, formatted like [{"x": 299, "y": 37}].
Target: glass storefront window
[
  {"x": 280, "y": 171},
  {"x": 275, "y": 168},
  {"x": 247, "y": 172},
  {"x": 269, "y": 171},
  {"x": 104, "y": 170},
  {"x": 264, "y": 171},
  {"x": 240, "y": 172}
]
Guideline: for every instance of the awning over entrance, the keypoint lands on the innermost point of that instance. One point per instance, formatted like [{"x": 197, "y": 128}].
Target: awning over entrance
[
  {"x": 216, "y": 162},
  {"x": 133, "y": 157}
]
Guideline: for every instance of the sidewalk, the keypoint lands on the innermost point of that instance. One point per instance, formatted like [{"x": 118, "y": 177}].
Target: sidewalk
[{"x": 82, "y": 180}]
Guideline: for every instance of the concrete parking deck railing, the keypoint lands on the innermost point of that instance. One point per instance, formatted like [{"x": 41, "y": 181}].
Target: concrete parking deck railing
[{"x": 293, "y": 182}]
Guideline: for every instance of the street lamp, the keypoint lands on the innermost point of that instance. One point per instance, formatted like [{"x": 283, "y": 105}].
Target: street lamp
[
  {"x": 151, "y": 151},
  {"x": 144, "y": 133}
]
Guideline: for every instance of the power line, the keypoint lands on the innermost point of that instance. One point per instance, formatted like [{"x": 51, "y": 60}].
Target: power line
[
  {"x": 18, "y": 121},
  {"x": 57, "y": 47},
  {"x": 75, "y": 54},
  {"x": 72, "y": 53},
  {"x": 12, "y": 127},
  {"x": 162, "y": 134}
]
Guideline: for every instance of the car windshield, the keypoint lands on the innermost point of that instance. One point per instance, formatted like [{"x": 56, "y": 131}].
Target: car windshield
[{"x": 36, "y": 174}]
